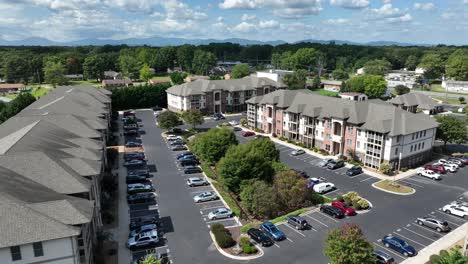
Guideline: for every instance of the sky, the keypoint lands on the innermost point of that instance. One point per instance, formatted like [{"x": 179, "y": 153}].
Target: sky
[{"x": 422, "y": 21}]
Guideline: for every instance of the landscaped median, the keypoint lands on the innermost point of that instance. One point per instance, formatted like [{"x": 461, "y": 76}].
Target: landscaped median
[{"x": 393, "y": 187}]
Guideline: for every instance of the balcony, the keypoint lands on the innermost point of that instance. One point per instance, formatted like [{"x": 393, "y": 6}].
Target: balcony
[
  {"x": 336, "y": 138},
  {"x": 269, "y": 119}
]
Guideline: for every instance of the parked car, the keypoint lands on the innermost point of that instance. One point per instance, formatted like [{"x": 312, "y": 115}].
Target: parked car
[
  {"x": 457, "y": 209},
  {"x": 132, "y": 144},
  {"x": 399, "y": 245},
  {"x": 173, "y": 138},
  {"x": 139, "y": 188},
  {"x": 192, "y": 169},
  {"x": 331, "y": 211},
  {"x": 179, "y": 148},
  {"x": 205, "y": 196},
  {"x": 301, "y": 172},
  {"x": 297, "y": 152},
  {"x": 141, "y": 229},
  {"x": 218, "y": 116},
  {"x": 129, "y": 113},
  {"x": 196, "y": 181},
  {"x": 435, "y": 168},
  {"x": 297, "y": 222},
  {"x": 137, "y": 179},
  {"x": 177, "y": 143},
  {"x": 383, "y": 258},
  {"x": 235, "y": 129},
  {"x": 323, "y": 187},
  {"x": 133, "y": 163},
  {"x": 434, "y": 223},
  {"x": 130, "y": 126},
  {"x": 271, "y": 230},
  {"x": 325, "y": 162},
  {"x": 143, "y": 239},
  {"x": 220, "y": 213},
  {"x": 464, "y": 159},
  {"x": 456, "y": 161},
  {"x": 187, "y": 153},
  {"x": 429, "y": 174},
  {"x": 248, "y": 134},
  {"x": 184, "y": 163},
  {"x": 145, "y": 197},
  {"x": 443, "y": 161},
  {"x": 187, "y": 157},
  {"x": 233, "y": 123},
  {"x": 141, "y": 221},
  {"x": 260, "y": 136},
  {"x": 134, "y": 156},
  {"x": 138, "y": 172},
  {"x": 346, "y": 209},
  {"x": 260, "y": 237},
  {"x": 335, "y": 164},
  {"x": 448, "y": 167},
  {"x": 175, "y": 130},
  {"x": 355, "y": 170},
  {"x": 311, "y": 182}
]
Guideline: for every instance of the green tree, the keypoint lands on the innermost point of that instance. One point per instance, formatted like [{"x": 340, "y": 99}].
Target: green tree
[
  {"x": 259, "y": 199},
  {"x": 164, "y": 58},
  {"x": 212, "y": 145},
  {"x": 451, "y": 130},
  {"x": 457, "y": 65},
  {"x": 287, "y": 61},
  {"x": 377, "y": 67},
  {"x": 168, "y": 120},
  {"x": 296, "y": 80},
  {"x": 454, "y": 256},
  {"x": 177, "y": 77},
  {"x": 434, "y": 65},
  {"x": 291, "y": 189},
  {"x": 15, "y": 106},
  {"x": 401, "y": 89},
  {"x": 304, "y": 58},
  {"x": 142, "y": 96},
  {"x": 461, "y": 99},
  {"x": 203, "y": 61},
  {"x": 266, "y": 147},
  {"x": 348, "y": 245},
  {"x": 129, "y": 65},
  {"x": 149, "y": 259},
  {"x": 340, "y": 74},
  {"x": 94, "y": 67},
  {"x": 240, "y": 71},
  {"x": 145, "y": 73},
  {"x": 372, "y": 85},
  {"x": 316, "y": 83},
  {"x": 193, "y": 117},
  {"x": 411, "y": 62},
  {"x": 276, "y": 60},
  {"x": 15, "y": 68},
  {"x": 184, "y": 57},
  {"x": 54, "y": 73}
]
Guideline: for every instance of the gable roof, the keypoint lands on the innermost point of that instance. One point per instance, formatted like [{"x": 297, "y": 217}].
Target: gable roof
[{"x": 420, "y": 100}]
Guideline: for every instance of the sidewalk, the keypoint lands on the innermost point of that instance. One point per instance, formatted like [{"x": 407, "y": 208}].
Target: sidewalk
[{"x": 318, "y": 155}]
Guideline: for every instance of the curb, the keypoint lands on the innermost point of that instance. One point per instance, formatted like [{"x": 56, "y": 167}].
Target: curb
[
  {"x": 227, "y": 255},
  {"x": 387, "y": 191}
]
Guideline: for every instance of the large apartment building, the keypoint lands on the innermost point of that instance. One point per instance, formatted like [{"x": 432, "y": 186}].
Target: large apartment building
[
  {"x": 218, "y": 96},
  {"x": 376, "y": 131},
  {"x": 52, "y": 158}
]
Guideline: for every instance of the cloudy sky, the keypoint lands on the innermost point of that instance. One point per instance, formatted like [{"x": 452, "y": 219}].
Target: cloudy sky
[{"x": 421, "y": 21}]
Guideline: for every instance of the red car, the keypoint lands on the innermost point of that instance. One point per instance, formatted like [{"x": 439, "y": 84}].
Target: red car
[
  {"x": 248, "y": 134},
  {"x": 347, "y": 210},
  {"x": 129, "y": 113},
  {"x": 435, "y": 168}
]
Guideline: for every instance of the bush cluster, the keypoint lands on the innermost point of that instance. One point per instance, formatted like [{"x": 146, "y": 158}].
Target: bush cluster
[
  {"x": 354, "y": 200},
  {"x": 223, "y": 236},
  {"x": 246, "y": 245}
]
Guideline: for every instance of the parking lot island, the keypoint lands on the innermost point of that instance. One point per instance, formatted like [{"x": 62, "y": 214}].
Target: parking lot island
[
  {"x": 231, "y": 256},
  {"x": 392, "y": 187}
]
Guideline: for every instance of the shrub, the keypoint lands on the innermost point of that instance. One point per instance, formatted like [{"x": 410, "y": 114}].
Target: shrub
[
  {"x": 316, "y": 198},
  {"x": 249, "y": 249},
  {"x": 283, "y": 139},
  {"x": 356, "y": 204},
  {"x": 434, "y": 259},
  {"x": 404, "y": 169},
  {"x": 352, "y": 195},
  {"x": 363, "y": 203},
  {"x": 218, "y": 228},
  {"x": 339, "y": 198},
  {"x": 244, "y": 240},
  {"x": 225, "y": 240},
  {"x": 385, "y": 168},
  {"x": 243, "y": 122},
  {"x": 347, "y": 200}
]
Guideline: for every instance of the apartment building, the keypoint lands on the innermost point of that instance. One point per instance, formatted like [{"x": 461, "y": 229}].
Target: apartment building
[
  {"x": 374, "y": 130},
  {"x": 218, "y": 96},
  {"x": 52, "y": 159}
]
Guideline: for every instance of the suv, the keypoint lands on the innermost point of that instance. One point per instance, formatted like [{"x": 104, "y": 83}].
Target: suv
[
  {"x": 178, "y": 148},
  {"x": 383, "y": 258},
  {"x": 187, "y": 153},
  {"x": 143, "y": 239},
  {"x": 184, "y": 163},
  {"x": 192, "y": 169},
  {"x": 331, "y": 211},
  {"x": 429, "y": 174},
  {"x": 456, "y": 161},
  {"x": 141, "y": 229},
  {"x": 270, "y": 229},
  {"x": 355, "y": 170},
  {"x": 187, "y": 157},
  {"x": 399, "y": 245},
  {"x": 132, "y": 144},
  {"x": 325, "y": 162},
  {"x": 196, "y": 181},
  {"x": 347, "y": 210},
  {"x": 145, "y": 197},
  {"x": 297, "y": 222},
  {"x": 260, "y": 237},
  {"x": 205, "y": 196},
  {"x": 220, "y": 213},
  {"x": 456, "y": 209},
  {"x": 136, "y": 223},
  {"x": 139, "y": 188},
  {"x": 134, "y": 156},
  {"x": 297, "y": 152},
  {"x": 438, "y": 225},
  {"x": 435, "y": 168},
  {"x": 335, "y": 164},
  {"x": 447, "y": 167}
]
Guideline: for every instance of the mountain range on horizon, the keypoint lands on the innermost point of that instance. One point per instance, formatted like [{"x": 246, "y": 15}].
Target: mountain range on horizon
[{"x": 162, "y": 41}]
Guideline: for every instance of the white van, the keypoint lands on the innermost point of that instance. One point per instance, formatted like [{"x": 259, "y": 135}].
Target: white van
[{"x": 323, "y": 187}]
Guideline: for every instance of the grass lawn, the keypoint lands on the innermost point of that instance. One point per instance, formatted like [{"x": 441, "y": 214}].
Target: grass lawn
[
  {"x": 11, "y": 96},
  {"x": 85, "y": 82},
  {"x": 161, "y": 78},
  {"x": 38, "y": 92},
  {"x": 394, "y": 187},
  {"x": 326, "y": 92},
  {"x": 227, "y": 198},
  {"x": 449, "y": 100}
]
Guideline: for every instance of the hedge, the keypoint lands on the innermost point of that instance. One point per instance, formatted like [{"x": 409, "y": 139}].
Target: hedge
[{"x": 223, "y": 236}]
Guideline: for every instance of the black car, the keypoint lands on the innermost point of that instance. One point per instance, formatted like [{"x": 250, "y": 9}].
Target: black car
[
  {"x": 335, "y": 164},
  {"x": 134, "y": 155},
  {"x": 218, "y": 116},
  {"x": 131, "y": 132},
  {"x": 187, "y": 157},
  {"x": 331, "y": 211},
  {"x": 141, "y": 198},
  {"x": 355, "y": 170},
  {"x": 301, "y": 172},
  {"x": 184, "y": 163},
  {"x": 179, "y": 148},
  {"x": 187, "y": 153},
  {"x": 177, "y": 143},
  {"x": 260, "y": 237},
  {"x": 297, "y": 222},
  {"x": 192, "y": 169},
  {"x": 137, "y": 172},
  {"x": 176, "y": 130},
  {"x": 141, "y": 221},
  {"x": 136, "y": 179}
]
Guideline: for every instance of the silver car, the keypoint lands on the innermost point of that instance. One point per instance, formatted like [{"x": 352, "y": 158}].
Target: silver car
[
  {"x": 325, "y": 162},
  {"x": 196, "y": 181},
  {"x": 205, "y": 196},
  {"x": 220, "y": 213},
  {"x": 438, "y": 225},
  {"x": 297, "y": 152}
]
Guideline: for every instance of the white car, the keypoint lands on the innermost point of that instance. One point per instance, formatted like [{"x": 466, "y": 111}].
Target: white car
[
  {"x": 448, "y": 162},
  {"x": 205, "y": 196},
  {"x": 297, "y": 152},
  {"x": 456, "y": 209},
  {"x": 429, "y": 174},
  {"x": 233, "y": 123},
  {"x": 139, "y": 187},
  {"x": 220, "y": 213},
  {"x": 323, "y": 187},
  {"x": 448, "y": 167}
]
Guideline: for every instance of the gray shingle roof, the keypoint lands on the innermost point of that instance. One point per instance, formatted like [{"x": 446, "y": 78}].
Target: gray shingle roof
[
  {"x": 203, "y": 86},
  {"x": 415, "y": 99}
]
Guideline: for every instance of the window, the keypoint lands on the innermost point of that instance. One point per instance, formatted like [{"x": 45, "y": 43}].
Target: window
[
  {"x": 327, "y": 147},
  {"x": 396, "y": 151},
  {"x": 217, "y": 95},
  {"x": 349, "y": 142},
  {"x": 15, "y": 253},
  {"x": 417, "y": 135},
  {"x": 316, "y": 132},
  {"x": 412, "y": 136},
  {"x": 397, "y": 139},
  {"x": 38, "y": 250},
  {"x": 329, "y": 124},
  {"x": 278, "y": 132},
  {"x": 350, "y": 130},
  {"x": 423, "y": 145},
  {"x": 424, "y": 132},
  {"x": 321, "y": 134},
  {"x": 359, "y": 132},
  {"x": 358, "y": 144},
  {"x": 411, "y": 149},
  {"x": 420, "y": 134}
]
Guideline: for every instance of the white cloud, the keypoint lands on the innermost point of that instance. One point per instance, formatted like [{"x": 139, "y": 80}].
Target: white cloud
[
  {"x": 352, "y": 4},
  {"x": 240, "y": 4},
  {"x": 220, "y": 19},
  {"x": 337, "y": 21},
  {"x": 244, "y": 27},
  {"x": 282, "y": 8},
  {"x": 403, "y": 18},
  {"x": 424, "y": 6},
  {"x": 388, "y": 13},
  {"x": 265, "y": 24},
  {"x": 246, "y": 17},
  {"x": 465, "y": 1}
]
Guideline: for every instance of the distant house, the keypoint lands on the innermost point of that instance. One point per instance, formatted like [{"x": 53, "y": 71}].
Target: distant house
[
  {"x": 354, "y": 96},
  {"x": 360, "y": 71},
  {"x": 275, "y": 75},
  {"x": 74, "y": 77},
  {"x": 154, "y": 81},
  {"x": 175, "y": 69},
  {"x": 331, "y": 85},
  {"x": 112, "y": 75},
  {"x": 402, "y": 77},
  {"x": 7, "y": 88},
  {"x": 116, "y": 83},
  {"x": 196, "y": 78},
  {"x": 420, "y": 71},
  {"x": 412, "y": 102},
  {"x": 455, "y": 86}
]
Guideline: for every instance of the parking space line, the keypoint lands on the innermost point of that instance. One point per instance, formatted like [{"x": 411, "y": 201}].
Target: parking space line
[
  {"x": 367, "y": 179},
  {"x": 445, "y": 214},
  {"x": 290, "y": 240},
  {"x": 274, "y": 244},
  {"x": 389, "y": 251},
  {"x": 146, "y": 250},
  {"x": 315, "y": 220},
  {"x": 213, "y": 207},
  {"x": 220, "y": 220},
  {"x": 294, "y": 230},
  {"x": 201, "y": 203},
  {"x": 419, "y": 234},
  {"x": 398, "y": 234},
  {"x": 428, "y": 229},
  {"x": 328, "y": 217}
]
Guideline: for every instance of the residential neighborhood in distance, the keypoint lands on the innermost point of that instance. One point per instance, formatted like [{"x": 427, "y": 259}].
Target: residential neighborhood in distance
[{"x": 233, "y": 131}]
